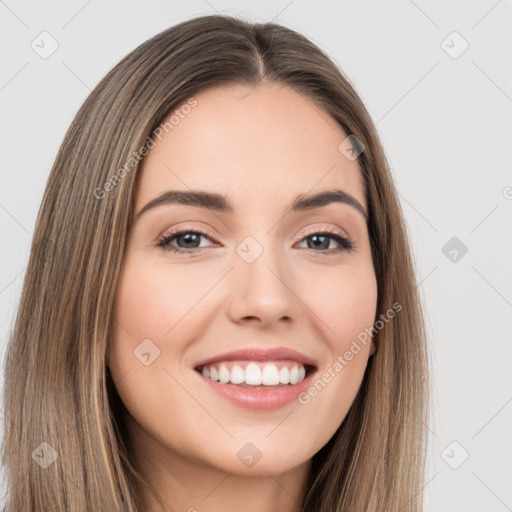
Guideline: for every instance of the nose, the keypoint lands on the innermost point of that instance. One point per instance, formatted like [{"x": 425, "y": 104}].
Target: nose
[{"x": 262, "y": 290}]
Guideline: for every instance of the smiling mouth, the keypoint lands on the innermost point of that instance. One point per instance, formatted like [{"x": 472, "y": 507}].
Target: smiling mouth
[{"x": 257, "y": 374}]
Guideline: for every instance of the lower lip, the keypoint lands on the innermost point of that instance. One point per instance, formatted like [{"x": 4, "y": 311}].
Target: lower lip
[{"x": 259, "y": 399}]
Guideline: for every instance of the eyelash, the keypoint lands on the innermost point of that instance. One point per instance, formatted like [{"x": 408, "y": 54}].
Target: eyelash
[{"x": 345, "y": 242}]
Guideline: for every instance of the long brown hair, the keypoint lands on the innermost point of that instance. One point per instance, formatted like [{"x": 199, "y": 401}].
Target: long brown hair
[{"x": 59, "y": 396}]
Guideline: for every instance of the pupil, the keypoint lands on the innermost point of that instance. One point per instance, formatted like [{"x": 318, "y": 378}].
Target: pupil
[
  {"x": 187, "y": 237},
  {"x": 316, "y": 237}
]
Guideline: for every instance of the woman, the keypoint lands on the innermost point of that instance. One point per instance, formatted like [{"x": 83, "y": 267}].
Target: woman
[{"x": 220, "y": 308}]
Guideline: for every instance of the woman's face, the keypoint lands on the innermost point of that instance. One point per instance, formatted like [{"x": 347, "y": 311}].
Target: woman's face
[{"x": 257, "y": 277}]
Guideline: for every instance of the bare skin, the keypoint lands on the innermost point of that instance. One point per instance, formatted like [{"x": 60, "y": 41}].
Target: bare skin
[{"x": 260, "y": 147}]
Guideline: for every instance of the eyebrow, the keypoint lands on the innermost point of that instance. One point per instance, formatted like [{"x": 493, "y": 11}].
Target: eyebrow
[{"x": 219, "y": 203}]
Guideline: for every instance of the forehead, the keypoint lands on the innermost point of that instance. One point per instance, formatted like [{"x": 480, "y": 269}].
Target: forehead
[{"x": 266, "y": 142}]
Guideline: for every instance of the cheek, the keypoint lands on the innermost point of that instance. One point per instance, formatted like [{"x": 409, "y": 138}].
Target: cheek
[
  {"x": 345, "y": 301},
  {"x": 145, "y": 310},
  {"x": 155, "y": 312},
  {"x": 151, "y": 300},
  {"x": 346, "y": 305},
  {"x": 150, "y": 304}
]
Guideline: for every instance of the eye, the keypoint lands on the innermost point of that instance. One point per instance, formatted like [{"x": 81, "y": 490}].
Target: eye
[
  {"x": 192, "y": 239},
  {"x": 189, "y": 237},
  {"x": 322, "y": 239}
]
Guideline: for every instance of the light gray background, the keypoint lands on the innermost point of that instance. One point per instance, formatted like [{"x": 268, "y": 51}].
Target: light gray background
[{"x": 444, "y": 122}]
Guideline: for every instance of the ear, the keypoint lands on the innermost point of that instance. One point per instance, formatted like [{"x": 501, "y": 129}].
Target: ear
[{"x": 373, "y": 347}]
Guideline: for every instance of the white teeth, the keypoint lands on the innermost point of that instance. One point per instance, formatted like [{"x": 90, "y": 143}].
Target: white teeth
[
  {"x": 284, "y": 375},
  {"x": 294, "y": 375},
  {"x": 237, "y": 375},
  {"x": 214, "y": 375},
  {"x": 270, "y": 375},
  {"x": 224, "y": 374},
  {"x": 255, "y": 374}
]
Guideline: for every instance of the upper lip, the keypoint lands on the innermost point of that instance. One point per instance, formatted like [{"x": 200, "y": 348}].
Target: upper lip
[{"x": 259, "y": 354}]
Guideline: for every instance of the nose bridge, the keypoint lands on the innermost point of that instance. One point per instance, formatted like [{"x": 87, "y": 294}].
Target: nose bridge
[{"x": 260, "y": 276}]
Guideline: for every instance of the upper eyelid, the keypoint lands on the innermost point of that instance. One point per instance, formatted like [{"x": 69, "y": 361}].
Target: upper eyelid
[
  {"x": 329, "y": 230},
  {"x": 183, "y": 230}
]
